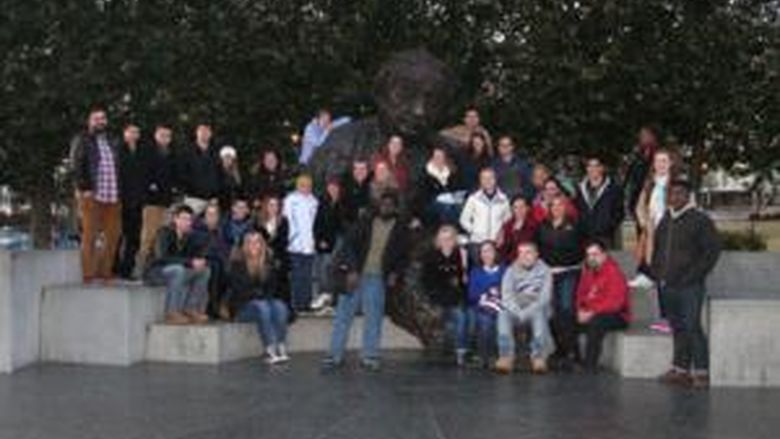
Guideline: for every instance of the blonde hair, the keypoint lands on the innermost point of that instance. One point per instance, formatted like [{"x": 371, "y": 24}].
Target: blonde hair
[{"x": 256, "y": 266}]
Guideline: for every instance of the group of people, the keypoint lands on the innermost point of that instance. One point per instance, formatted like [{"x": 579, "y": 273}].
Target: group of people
[{"x": 514, "y": 244}]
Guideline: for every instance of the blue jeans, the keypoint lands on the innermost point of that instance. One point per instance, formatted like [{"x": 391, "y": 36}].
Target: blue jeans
[
  {"x": 564, "y": 315},
  {"x": 270, "y": 315},
  {"x": 541, "y": 345},
  {"x": 370, "y": 295},
  {"x": 185, "y": 288},
  {"x": 486, "y": 332},
  {"x": 458, "y": 322},
  {"x": 301, "y": 273}
]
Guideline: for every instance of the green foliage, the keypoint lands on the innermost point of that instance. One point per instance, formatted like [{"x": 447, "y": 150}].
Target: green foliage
[
  {"x": 747, "y": 240},
  {"x": 563, "y": 76}
]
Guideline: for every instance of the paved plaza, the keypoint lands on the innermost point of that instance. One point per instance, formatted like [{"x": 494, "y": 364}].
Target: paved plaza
[{"x": 412, "y": 397}]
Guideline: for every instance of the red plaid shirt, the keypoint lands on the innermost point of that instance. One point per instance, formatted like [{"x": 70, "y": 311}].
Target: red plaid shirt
[{"x": 107, "y": 189}]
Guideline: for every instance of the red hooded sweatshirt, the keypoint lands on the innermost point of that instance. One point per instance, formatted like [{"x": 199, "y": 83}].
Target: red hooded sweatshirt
[{"x": 604, "y": 291}]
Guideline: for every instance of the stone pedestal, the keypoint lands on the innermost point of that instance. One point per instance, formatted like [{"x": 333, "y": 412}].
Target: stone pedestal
[
  {"x": 745, "y": 342},
  {"x": 23, "y": 274},
  {"x": 637, "y": 353},
  {"x": 94, "y": 324},
  {"x": 205, "y": 344}
]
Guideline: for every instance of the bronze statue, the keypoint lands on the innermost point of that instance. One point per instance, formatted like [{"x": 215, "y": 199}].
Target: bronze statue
[{"x": 414, "y": 94}]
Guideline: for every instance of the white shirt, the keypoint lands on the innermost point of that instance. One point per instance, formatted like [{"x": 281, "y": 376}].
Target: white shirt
[{"x": 300, "y": 210}]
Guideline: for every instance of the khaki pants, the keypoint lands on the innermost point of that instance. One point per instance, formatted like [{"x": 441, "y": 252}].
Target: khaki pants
[
  {"x": 153, "y": 218},
  {"x": 99, "y": 218}
]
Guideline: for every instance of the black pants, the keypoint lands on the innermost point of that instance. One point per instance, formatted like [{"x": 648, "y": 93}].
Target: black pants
[
  {"x": 131, "y": 239},
  {"x": 217, "y": 287},
  {"x": 683, "y": 309},
  {"x": 595, "y": 330}
]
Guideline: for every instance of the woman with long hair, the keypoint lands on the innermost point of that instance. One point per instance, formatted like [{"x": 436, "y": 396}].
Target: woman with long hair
[
  {"x": 255, "y": 296},
  {"x": 561, "y": 243},
  {"x": 479, "y": 155},
  {"x": 275, "y": 229},
  {"x": 267, "y": 176},
  {"x": 650, "y": 209},
  {"x": 393, "y": 153}
]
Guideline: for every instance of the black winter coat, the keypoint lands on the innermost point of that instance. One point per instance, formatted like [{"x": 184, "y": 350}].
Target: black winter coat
[
  {"x": 687, "y": 247},
  {"x": 561, "y": 246},
  {"x": 329, "y": 224},
  {"x": 200, "y": 173},
  {"x": 602, "y": 216},
  {"x": 442, "y": 278}
]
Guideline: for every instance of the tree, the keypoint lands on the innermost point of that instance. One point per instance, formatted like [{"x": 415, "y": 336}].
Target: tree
[{"x": 561, "y": 76}]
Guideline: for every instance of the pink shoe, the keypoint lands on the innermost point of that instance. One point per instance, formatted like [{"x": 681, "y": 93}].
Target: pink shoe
[{"x": 661, "y": 326}]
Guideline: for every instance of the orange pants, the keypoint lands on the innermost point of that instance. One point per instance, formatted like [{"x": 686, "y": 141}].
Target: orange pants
[
  {"x": 153, "y": 219},
  {"x": 96, "y": 218}
]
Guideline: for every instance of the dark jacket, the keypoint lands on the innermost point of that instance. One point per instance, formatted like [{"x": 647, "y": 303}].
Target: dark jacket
[
  {"x": 200, "y": 173},
  {"x": 244, "y": 287},
  {"x": 329, "y": 224},
  {"x": 86, "y": 159},
  {"x": 636, "y": 176},
  {"x": 687, "y": 247},
  {"x": 442, "y": 278},
  {"x": 602, "y": 214},
  {"x": 357, "y": 198},
  {"x": 514, "y": 176},
  {"x": 132, "y": 174},
  {"x": 161, "y": 176},
  {"x": 429, "y": 188},
  {"x": 358, "y": 240},
  {"x": 230, "y": 189},
  {"x": 168, "y": 250},
  {"x": 218, "y": 247},
  {"x": 278, "y": 244},
  {"x": 561, "y": 246},
  {"x": 263, "y": 183}
]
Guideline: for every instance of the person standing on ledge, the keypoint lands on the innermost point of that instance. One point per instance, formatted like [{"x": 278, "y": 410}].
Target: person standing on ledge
[
  {"x": 179, "y": 262},
  {"x": 687, "y": 247},
  {"x": 96, "y": 159},
  {"x": 371, "y": 260}
]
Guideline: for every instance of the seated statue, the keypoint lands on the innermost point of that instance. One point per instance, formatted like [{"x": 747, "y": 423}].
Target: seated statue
[{"x": 414, "y": 94}]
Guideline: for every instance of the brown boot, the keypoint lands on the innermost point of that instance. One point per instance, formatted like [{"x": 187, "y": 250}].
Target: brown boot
[
  {"x": 700, "y": 381},
  {"x": 176, "y": 318},
  {"x": 676, "y": 377},
  {"x": 197, "y": 317},
  {"x": 539, "y": 366},
  {"x": 505, "y": 365}
]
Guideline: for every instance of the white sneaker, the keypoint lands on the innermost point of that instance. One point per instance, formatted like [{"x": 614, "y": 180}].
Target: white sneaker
[
  {"x": 641, "y": 281},
  {"x": 321, "y": 301},
  {"x": 271, "y": 357},
  {"x": 282, "y": 351}
]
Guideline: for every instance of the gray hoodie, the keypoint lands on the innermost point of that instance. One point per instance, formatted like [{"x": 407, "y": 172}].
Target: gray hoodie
[{"x": 524, "y": 292}]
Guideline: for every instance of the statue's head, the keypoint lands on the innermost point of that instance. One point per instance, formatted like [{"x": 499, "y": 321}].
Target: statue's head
[{"x": 414, "y": 90}]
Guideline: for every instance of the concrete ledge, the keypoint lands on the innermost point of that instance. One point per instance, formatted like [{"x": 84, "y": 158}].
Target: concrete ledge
[
  {"x": 23, "y": 274},
  {"x": 98, "y": 324},
  {"x": 312, "y": 334},
  {"x": 637, "y": 353},
  {"x": 745, "y": 342},
  {"x": 207, "y": 344},
  {"x": 222, "y": 342}
]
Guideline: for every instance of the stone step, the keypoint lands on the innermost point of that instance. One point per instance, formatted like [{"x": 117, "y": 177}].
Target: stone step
[
  {"x": 637, "y": 353},
  {"x": 215, "y": 343},
  {"x": 98, "y": 324}
]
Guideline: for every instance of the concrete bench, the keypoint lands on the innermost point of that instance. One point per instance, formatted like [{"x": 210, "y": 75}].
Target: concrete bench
[
  {"x": 216, "y": 343},
  {"x": 98, "y": 324},
  {"x": 637, "y": 353},
  {"x": 745, "y": 341},
  {"x": 23, "y": 274}
]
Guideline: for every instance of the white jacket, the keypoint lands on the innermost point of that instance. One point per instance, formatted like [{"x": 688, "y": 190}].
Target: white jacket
[
  {"x": 300, "y": 211},
  {"x": 482, "y": 217}
]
